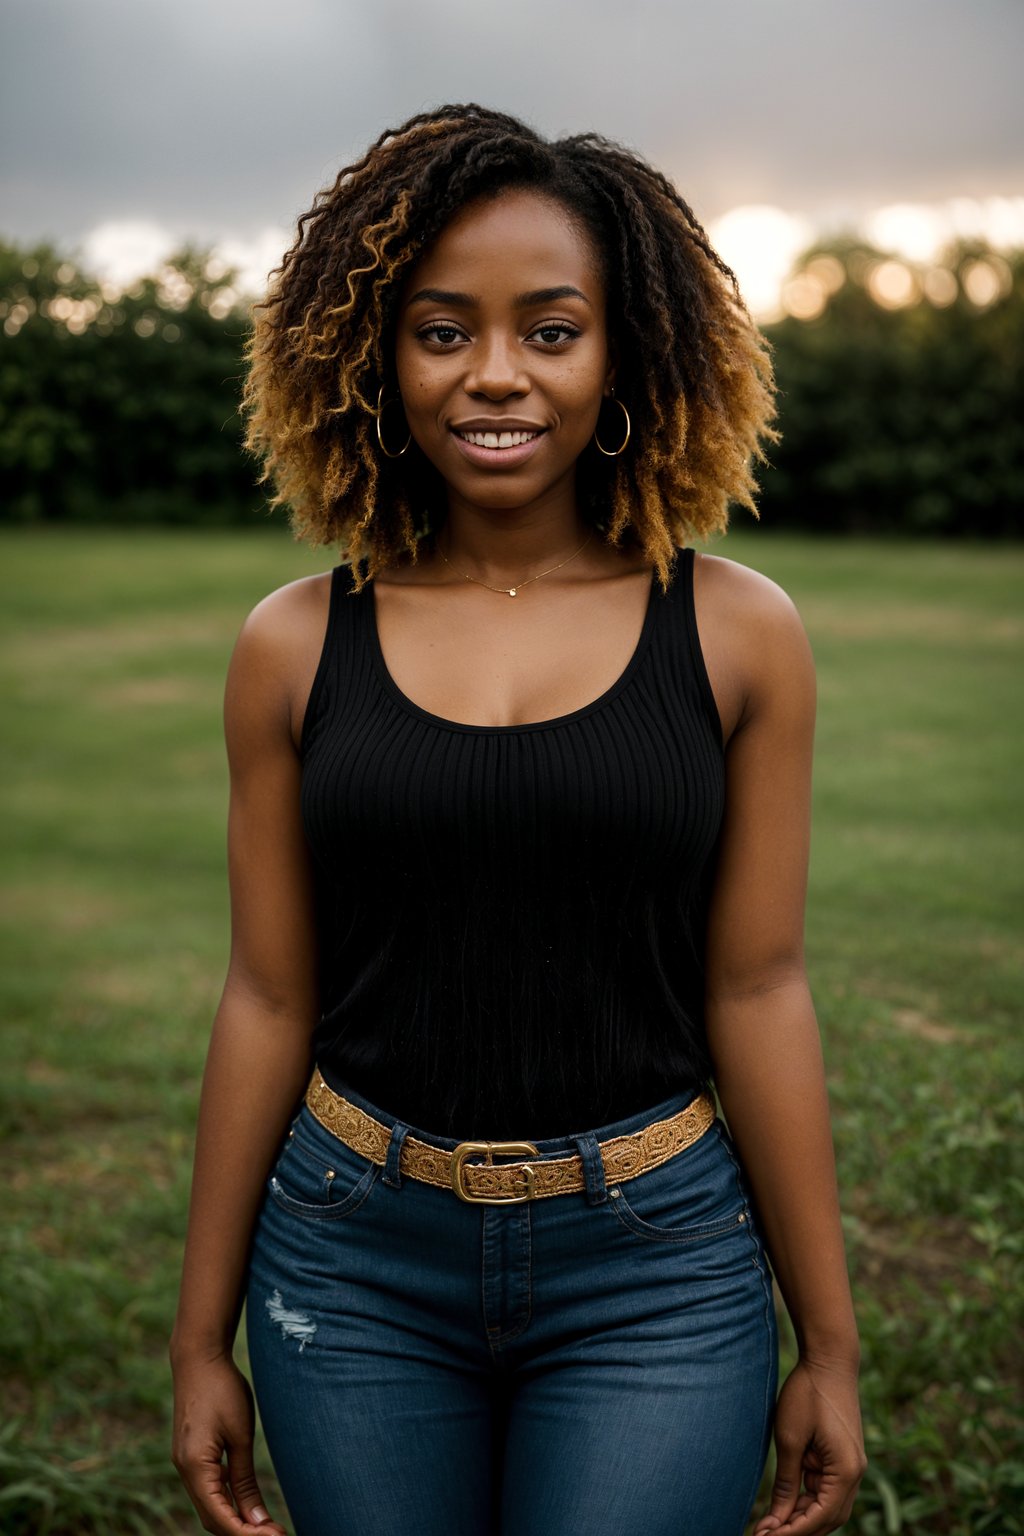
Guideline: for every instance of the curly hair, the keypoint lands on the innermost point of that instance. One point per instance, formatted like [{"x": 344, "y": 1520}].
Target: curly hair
[{"x": 691, "y": 365}]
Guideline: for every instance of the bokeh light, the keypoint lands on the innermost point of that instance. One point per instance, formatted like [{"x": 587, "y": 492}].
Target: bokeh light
[
  {"x": 893, "y": 285},
  {"x": 828, "y": 271},
  {"x": 804, "y": 296},
  {"x": 940, "y": 287},
  {"x": 761, "y": 243},
  {"x": 220, "y": 302},
  {"x": 912, "y": 230},
  {"x": 919, "y": 231},
  {"x": 986, "y": 279},
  {"x": 173, "y": 289}
]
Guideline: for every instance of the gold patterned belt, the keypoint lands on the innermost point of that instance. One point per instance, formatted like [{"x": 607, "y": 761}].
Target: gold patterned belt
[{"x": 486, "y": 1183}]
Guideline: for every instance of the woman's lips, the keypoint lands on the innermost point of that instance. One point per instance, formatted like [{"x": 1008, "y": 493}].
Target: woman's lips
[{"x": 496, "y": 458}]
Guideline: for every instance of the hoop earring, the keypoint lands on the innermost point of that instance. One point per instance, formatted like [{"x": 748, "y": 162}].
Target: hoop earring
[
  {"x": 380, "y": 408},
  {"x": 614, "y": 453}
]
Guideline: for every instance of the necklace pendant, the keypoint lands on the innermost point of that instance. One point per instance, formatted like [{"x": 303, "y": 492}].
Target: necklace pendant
[{"x": 511, "y": 591}]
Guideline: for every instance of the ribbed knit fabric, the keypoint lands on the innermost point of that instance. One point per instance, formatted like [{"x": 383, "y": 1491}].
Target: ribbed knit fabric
[{"x": 511, "y": 919}]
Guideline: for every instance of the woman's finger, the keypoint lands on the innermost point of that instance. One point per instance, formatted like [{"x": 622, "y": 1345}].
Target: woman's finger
[
  {"x": 786, "y": 1487},
  {"x": 824, "y": 1507},
  {"x": 207, "y": 1490},
  {"x": 245, "y": 1490}
]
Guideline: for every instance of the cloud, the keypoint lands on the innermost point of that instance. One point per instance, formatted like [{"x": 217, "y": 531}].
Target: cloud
[
  {"x": 121, "y": 251},
  {"x": 225, "y": 119}
]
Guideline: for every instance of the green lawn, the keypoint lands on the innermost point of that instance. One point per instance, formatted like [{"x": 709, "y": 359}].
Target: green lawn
[{"x": 115, "y": 939}]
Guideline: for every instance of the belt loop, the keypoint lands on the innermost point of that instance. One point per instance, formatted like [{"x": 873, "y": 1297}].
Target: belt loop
[
  {"x": 593, "y": 1168},
  {"x": 392, "y": 1173}
]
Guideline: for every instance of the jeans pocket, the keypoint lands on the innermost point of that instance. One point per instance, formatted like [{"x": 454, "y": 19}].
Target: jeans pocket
[
  {"x": 693, "y": 1197},
  {"x": 318, "y": 1177}
]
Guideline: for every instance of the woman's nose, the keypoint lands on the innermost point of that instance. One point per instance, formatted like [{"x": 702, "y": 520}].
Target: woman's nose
[{"x": 496, "y": 369}]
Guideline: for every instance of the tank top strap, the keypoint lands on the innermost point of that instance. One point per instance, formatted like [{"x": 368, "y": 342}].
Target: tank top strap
[
  {"x": 677, "y": 648},
  {"x": 344, "y": 664}
]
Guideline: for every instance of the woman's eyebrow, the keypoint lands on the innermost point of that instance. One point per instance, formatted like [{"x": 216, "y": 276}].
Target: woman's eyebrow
[
  {"x": 548, "y": 296},
  {"x": 443, "y": 296},
  {"x": 521, "y": 300}
]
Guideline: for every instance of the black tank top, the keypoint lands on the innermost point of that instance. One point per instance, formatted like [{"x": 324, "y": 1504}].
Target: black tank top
[{"x": 511, "y": 919}]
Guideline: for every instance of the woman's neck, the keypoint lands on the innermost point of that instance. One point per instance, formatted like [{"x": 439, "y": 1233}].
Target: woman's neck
[{"x": 500, "y": 542}]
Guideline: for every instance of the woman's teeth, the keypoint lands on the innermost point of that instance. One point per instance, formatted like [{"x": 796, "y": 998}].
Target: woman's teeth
[{"x": 498, "y": 439}]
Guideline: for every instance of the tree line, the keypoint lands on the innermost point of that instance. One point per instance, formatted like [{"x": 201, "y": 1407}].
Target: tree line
[{"x": 900, "y": 407}]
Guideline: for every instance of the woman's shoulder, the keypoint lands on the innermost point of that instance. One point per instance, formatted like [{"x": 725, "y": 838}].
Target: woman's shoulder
[
  {"x": 284, "y": 622},
  {"x": 754, "y": 642},
  {"x": 279, "y": 610},
  {"x": 279, "y": 644},
  {"x": 743, "y": 595}
]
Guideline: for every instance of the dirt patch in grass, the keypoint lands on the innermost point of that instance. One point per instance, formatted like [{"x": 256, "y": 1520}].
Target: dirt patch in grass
[
  {"x": 67, "y": 909},
  {"x": 889, "y": 1255},
  {"x": 923, "y": 1018},
  {"x": 1000, "y": 949},
  {"x": 910, "y": 743},
  {"x": 901, "y": 621},
  {"x": 43, "y": 1074},
  {"x": 153, "y": 693},
  {"x": 913, "y": 1022},
  {"x": 150, "y": 984},
  {"x": 71, "y": 647},
  {"x": 98, "y": 1168}
]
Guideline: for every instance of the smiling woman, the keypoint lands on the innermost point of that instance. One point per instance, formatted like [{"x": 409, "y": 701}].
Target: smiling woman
[
  {"x": 518, "y": 880},
  {"x": 495, "y": 378},
  {"x": 691, "y": 370}
]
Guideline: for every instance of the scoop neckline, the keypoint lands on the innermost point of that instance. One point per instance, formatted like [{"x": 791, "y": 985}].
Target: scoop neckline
[{"x": 466, "y": 727}]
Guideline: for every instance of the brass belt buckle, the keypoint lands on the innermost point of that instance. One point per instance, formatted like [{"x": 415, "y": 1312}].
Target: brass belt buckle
[{"x": 503, "y": 1148}]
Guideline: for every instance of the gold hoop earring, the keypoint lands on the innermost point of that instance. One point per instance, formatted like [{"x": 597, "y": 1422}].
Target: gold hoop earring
[
  {"x": 380, "y": 408},
  {"x": 614, "y": 453}
]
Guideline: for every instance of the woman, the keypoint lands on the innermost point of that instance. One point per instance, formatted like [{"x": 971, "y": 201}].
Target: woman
[{"x": 517, "y": 881}]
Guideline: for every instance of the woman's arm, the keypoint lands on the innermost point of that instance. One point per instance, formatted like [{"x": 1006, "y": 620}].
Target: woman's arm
[
  {"x": 765, "y": 1044},
  {"x": 258, "y": 1063}
]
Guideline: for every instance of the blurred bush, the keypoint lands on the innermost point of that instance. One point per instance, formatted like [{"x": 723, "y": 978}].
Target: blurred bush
[
  {"x": 901, "y": 394},
  {"x": 121, "y": 406}
]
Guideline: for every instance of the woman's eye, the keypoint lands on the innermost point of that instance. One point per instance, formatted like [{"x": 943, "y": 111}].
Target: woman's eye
[
  {"x": 552, "y": 335},
  {"x": 444, "y": 335}
]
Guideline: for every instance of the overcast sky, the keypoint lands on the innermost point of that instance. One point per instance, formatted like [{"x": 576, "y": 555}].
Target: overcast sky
[{"x": 222, "y": 117}]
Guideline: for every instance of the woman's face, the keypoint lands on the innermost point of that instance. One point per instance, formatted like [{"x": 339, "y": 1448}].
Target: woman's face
[{"x": 502, "y": 350}]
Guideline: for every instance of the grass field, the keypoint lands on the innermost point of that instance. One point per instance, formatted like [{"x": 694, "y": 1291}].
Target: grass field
[{"x": 114, "y": 945}]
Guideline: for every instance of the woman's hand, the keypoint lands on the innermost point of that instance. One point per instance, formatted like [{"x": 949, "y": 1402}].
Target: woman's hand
[
  {"x": 214, "y": 1420},
  {"x": 818, "y": 1439}
]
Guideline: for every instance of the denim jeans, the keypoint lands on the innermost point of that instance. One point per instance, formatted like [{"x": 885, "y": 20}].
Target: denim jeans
[{"x": 600, "y": 1363}]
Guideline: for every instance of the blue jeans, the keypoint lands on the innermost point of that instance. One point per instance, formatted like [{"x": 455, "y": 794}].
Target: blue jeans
[{"x": 601, "y": 1363}]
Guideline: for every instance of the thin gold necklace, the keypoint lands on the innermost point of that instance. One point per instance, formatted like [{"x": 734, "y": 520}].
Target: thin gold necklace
[{"x": 513, "y": 591}]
